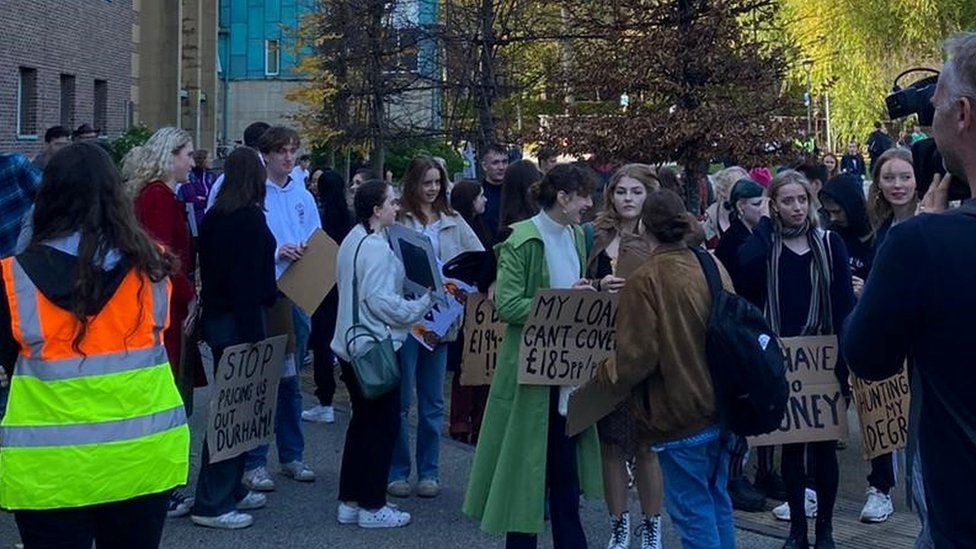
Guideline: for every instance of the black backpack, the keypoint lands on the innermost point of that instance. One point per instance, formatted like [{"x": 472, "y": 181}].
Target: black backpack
[{"x": 745, "y": 359}]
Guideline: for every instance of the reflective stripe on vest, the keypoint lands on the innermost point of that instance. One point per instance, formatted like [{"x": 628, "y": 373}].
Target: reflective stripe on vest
[
  {"x": 92, "y": 433},
  {"x": 29, "y": 323},
  {"x": 96, "y": 365},
  {"x": 160, "y": 298}
]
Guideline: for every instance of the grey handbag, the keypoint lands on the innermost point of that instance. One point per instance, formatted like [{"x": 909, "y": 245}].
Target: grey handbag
[{"x": 376, "y": 369}]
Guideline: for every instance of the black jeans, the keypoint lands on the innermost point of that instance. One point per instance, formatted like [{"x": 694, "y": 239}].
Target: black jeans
[
  {"x": 133, "y": 523},
  {"x": 563, "y": 487},
  {"x": 373, "y": 430},
  {"x": 882, "y": 474},
  {"x": 219, "y": 486},
  {"x": 319, "y": 341},
  {"x": 823, "y": 460}
]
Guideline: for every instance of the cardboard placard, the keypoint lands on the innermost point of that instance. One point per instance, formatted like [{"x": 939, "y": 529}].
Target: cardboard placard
[
  {"x": 567, "y": 334},
  {"x": 882, "y": 411},
  {"x": 307, "y": 281},
  {"x": 816, "y": 409},
  {"x": 483, "y": 333},
  {"x": 414, "y": 250},
  {"x": 281, "y": 322},
  {"x": 442, "y": 316},
  {"x": 588, "y": 405},
  {"x": 245, "y": 397}
]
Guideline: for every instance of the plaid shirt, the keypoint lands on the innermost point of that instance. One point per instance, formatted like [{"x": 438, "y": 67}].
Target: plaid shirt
[{"x": 19, "y": 180}]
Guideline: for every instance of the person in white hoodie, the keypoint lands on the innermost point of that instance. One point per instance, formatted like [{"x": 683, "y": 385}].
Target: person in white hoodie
[
  {"x": 366, "y": 255},
  {"x": 292, "y": 216},
  {"x": 427, "y": 211}
]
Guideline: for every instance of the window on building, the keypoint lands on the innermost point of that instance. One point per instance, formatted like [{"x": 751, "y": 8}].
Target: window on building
[
  {"x": 100, "y": 118},
  {"x": 272, "y": 54},
  {"x": 68, "y": 100},
  {"x": 27, "y": 103}
]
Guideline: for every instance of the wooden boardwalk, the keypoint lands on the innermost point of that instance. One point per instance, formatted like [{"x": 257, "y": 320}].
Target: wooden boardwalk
[{"x": 898, "y": 532}]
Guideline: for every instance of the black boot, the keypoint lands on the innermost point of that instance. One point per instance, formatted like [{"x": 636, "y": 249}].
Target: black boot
[
  {"x": 745, "y": 497},
  {"x": 797, "y": 541},
  {"x": 825, "y": 536}
]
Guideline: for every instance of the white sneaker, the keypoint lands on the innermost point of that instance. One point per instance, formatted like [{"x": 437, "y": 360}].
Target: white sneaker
[
  {"x": 619, "y": 532},
  {"x": 298, "y": 471},
  {"x": 347, "y": 514},
  {"x": 253, "y": 500},
  {"x": 258, "y": 479},
  {"x": 309, "y": 359},
  {"x": 385, "y": 517},
  {"x": 228, "y": 521},
  {"x": 878, "y": 507},
  {"x": 178, "y": 505},
  {"x": 319, "y": 414},
  {"x": 649, "y": 532},
  {"x": 782, "y": 512}
]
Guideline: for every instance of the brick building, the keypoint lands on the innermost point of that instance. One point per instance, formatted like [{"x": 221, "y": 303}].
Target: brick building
[{"x": 64, "y": 62}]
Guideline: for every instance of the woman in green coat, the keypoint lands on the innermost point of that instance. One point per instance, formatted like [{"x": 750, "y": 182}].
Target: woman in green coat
[{"x": 523, "y": 448}]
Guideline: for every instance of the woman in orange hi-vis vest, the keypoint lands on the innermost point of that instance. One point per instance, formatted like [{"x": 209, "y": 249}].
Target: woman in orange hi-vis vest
[{"x": 94, "y": 436}]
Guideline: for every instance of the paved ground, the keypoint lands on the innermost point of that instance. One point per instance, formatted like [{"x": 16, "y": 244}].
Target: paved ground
[{"x": 303, "y": 515}]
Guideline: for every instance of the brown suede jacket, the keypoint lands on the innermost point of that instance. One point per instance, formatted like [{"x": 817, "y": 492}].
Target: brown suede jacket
[{"x": 660, "y": 359}]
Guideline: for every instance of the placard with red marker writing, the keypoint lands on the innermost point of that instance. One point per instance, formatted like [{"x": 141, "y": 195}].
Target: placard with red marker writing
[
  {"x": 566, "y": 335},
  {"x": 882, "y": 411},
  {"x": 816, "y": 409}
]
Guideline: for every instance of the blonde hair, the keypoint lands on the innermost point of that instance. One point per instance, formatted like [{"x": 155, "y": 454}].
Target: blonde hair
[
  {"x": 153, "y": 160},
  {"x": 724, "y": 180},
  {"x": 790, "y": 177},
  {"x": 879, "y": 209},
  {"x": 609, "y": 218}
]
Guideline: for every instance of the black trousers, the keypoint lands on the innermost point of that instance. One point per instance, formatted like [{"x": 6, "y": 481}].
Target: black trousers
[
  {"x": 882, "y": 474},
  {"x": 135, "y": 523},
  {"x": 562, "y": 483},
  {"x": 823, "y": 460},
  {"x": 319, "y": 341},
  {"x": 372, "y": 433}
]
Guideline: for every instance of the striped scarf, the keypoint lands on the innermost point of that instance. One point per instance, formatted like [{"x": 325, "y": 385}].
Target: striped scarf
[{"x": 819, "y": 318}]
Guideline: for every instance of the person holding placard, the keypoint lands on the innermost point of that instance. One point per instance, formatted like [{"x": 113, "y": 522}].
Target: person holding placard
[
  {"x": 468, "y": 402},
  {"x": 237, "y": 290},
  {"x": 426, "y": 210},
  {"x": 660, "y": 365},
  {"x": 800, "y": 276},
  {"x": 365, "y": 257},
  {"x": 523, "y": 449},
  {"x": 625, "y": 196}
]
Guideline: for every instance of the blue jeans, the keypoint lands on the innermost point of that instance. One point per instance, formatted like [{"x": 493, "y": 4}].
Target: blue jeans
[
  {"x": 695, "y": 493},
  {"x": 288, "y": 418},
  {"x": 424, "y": 370}
]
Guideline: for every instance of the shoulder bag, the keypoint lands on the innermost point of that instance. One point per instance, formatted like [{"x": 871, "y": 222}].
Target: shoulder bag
[{"x": 376, "y": 369}]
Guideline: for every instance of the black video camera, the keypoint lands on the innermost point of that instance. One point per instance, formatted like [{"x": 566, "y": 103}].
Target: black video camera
[{"x": 915, "y": 99}]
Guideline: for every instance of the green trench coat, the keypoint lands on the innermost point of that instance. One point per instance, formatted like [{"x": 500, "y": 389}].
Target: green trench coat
[{"x": 506, "y": 489}]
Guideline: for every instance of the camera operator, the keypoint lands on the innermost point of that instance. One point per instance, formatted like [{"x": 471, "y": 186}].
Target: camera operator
[{"x": 920, "y": 297}]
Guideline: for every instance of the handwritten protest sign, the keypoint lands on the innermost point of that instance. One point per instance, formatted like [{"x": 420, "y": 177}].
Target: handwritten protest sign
[
  {"x": 816, "y": 409},
  {"x": 567, "y": 334},
  {"x": 483, "y": 333},
  {"x": 882, "y": 411},
  {"x": 242, "y": 409}
]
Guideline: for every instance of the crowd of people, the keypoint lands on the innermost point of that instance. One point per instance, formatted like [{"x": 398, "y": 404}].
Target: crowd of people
[{"x": 112, "y": 277}]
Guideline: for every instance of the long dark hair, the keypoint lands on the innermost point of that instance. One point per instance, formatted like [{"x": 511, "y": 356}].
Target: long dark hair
[
  {"x": 82, "y": 192},
  {"x": 516, "y": 200},
  {"x": 369, "y": 195},
  {"x": 413, "y": 179},
  {"x": 463, "y": 196},
  {"x": 336, "y": 218},
  {"x": 244, "y": 181},
  {"x": 666, "y": 217}
]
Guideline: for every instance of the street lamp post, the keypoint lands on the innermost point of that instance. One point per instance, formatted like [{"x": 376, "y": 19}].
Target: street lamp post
[{"x": 808, "y": 65}]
